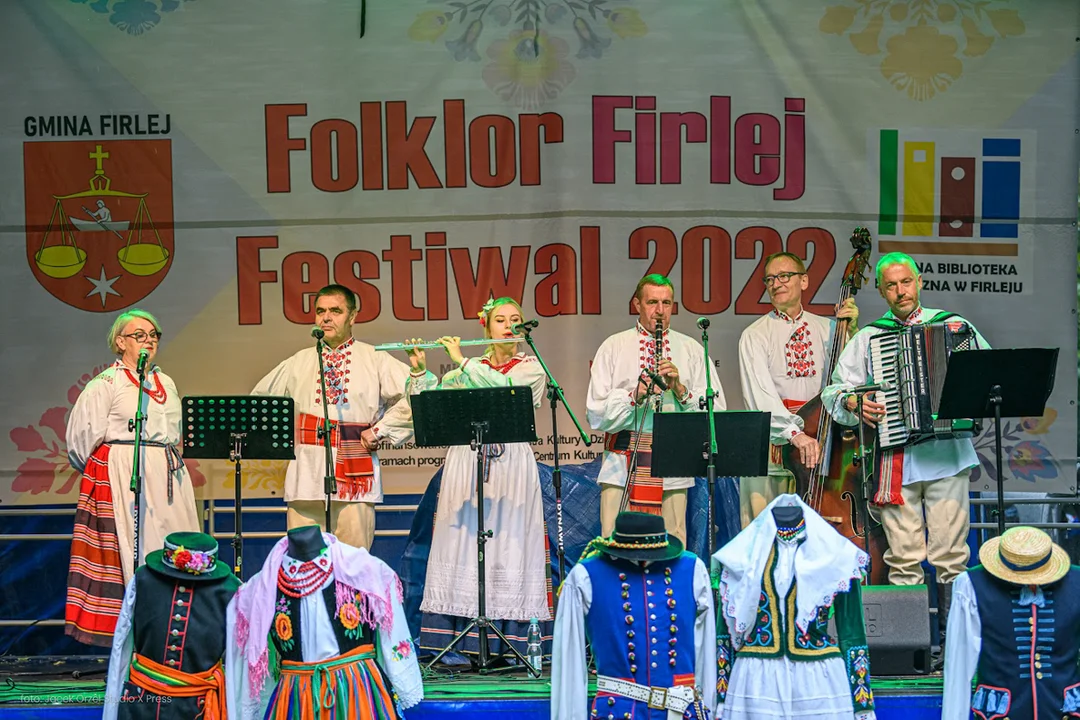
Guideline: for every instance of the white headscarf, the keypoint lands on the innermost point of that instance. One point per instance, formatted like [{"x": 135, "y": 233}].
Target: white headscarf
[{"x": 825, "y": 564}]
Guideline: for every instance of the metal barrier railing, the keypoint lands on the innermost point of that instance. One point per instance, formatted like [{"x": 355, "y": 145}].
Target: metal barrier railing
[{"x": 210, "y": 512}]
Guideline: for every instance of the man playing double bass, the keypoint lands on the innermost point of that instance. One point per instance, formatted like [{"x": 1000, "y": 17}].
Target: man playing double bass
[{"x": 783, "y": 362}]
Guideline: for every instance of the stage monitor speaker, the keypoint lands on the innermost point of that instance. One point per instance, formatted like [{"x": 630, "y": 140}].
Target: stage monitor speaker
[{"x": 897, "y": 629}]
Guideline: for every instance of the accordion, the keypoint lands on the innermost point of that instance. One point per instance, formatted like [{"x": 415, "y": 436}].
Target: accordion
[{"x": 913, "y": 361}]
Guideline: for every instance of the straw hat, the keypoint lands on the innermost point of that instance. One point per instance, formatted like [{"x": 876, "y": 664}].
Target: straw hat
[{"x": 1024, "y": 556}]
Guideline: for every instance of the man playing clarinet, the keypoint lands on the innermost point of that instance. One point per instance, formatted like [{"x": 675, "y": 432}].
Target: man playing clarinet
[
  {"x": 783, "y": 361},
  {"x": 922, "y": 489},
  {"x": 623, "y": 398},
  {"x": 365, "y": 402}
]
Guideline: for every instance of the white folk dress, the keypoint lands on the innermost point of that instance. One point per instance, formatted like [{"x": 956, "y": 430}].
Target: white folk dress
[
  {"x": 100, "y": 416},
  {"x": 364, "y": 386},
  {"x": 516, "y": 559}
]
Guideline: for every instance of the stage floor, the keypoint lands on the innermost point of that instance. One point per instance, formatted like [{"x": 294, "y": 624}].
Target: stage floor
[{"x": 56, "y": 688}]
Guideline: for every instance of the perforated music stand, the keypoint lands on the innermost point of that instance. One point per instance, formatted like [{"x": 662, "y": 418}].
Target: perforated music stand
[
  {"x": 232, "y": 427},
  {"x": 681, "y": 444},
  {"x": 474, "y": 417},
  {"x": 996, "y": 384}
]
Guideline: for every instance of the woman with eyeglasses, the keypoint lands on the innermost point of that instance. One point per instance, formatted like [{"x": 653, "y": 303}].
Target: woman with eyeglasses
[{"x": 100, "y": 445}]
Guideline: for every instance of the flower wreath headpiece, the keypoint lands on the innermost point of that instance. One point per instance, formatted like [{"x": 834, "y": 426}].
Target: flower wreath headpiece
[
  {"x": 195, "y": 562},
  {"x": 488, "y": 307}
]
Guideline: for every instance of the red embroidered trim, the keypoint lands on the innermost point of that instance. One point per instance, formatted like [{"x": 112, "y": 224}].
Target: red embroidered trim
[
  {"x": 336, "y": 362},
  {"x": 506, "y": 367},
  {"x": 799, "y": 353}
]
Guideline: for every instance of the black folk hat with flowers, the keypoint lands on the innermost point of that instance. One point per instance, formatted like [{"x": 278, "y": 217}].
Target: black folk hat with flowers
[
  {"x": 188, "y": 556},
  {"x": 640, "y": 536}
]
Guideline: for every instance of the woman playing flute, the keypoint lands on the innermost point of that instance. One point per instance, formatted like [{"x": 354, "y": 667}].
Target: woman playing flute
[{"x": 516, "y": 557}]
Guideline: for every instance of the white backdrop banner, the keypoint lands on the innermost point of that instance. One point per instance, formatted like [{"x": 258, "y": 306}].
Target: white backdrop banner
[{"x": 216, "y": 163}]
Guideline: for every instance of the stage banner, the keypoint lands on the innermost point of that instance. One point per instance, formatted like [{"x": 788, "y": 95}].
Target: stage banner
[{"x": 216, "y": 163}]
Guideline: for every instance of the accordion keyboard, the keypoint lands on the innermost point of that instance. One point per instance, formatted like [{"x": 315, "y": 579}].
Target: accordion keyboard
[{"x": 884, "y": 350}]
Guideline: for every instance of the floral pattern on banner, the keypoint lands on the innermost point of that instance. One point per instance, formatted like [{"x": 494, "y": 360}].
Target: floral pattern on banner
[
  {"x": 133, "y": 17},
  {"x": 924, "y": 43},
  {"x": 1028, "y": 459},
  {"x": 46, "y": 468},
  {"x": 530, "y": 65}
]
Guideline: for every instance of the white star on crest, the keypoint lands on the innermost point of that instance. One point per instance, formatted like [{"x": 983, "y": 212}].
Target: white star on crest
[{"x": 103, "y": 286}]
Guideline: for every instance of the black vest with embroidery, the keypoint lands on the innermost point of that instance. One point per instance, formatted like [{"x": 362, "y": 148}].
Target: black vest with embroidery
[
  {"x": 180, "y": 624},
  {"x": 1028, "y": 660},
  {"x": 285, "y": 631}
]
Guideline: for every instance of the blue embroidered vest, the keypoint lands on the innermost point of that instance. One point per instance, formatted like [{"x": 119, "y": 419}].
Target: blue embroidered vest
[
  {"x": 641, "y": 626},
  {"x": 1028, "y": 661}
]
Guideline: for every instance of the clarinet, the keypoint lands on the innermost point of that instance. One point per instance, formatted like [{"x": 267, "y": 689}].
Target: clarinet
[{"x": 658, "y": 357}]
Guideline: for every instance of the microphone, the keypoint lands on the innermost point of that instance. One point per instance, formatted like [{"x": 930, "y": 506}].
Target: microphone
[
  {"x": 144, "y": 357},
  {"x": 703, "y": 323},
  {"x": 871, "y": 388},
  {"x": 522, "y": 327},
  {"x": 317, "y": 332},
  {"x": 658, "y": 381}
]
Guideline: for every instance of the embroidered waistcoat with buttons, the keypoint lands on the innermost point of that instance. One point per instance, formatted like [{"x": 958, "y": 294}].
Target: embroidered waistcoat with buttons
[
  {"x": 180, "y": 624},
  {"x": 1028, "y": 660},
  {"x": 641, "y": 626}
]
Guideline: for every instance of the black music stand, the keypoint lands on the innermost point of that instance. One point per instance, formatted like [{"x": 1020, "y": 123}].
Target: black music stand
[
  {"x": 680, "y": 446},
  {"x": 232, "y": 427},
  {"x": 475, "y": 417},
  {"x": 996, "y": 384}
]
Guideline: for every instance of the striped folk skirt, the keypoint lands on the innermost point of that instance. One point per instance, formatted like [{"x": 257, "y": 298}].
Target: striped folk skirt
[
  {"x": 95, "y": 576},
  {"x": 346, "y": 687}
]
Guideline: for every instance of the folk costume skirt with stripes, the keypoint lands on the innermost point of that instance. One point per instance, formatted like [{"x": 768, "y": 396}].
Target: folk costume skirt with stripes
[
  {"x": 102, "y": 546},
  {"x": 348, "y": 687}
]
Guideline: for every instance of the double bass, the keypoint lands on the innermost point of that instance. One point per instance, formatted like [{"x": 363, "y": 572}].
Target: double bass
[{"x": 835, "y": 487}]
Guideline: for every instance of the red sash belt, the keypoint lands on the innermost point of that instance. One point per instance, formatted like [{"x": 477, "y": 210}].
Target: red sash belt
[
  {"x": 171, "y": 682},
  {"x": 776, "y": 452},
  {"x": 354, "y": 468},
  {"x": 646, "y": 491}
]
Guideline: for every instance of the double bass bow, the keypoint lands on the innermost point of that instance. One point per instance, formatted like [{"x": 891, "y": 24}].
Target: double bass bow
[{"x": 834, "y": 487}]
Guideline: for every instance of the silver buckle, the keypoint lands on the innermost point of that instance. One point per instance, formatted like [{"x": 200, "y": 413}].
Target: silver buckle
[{"x": 657, "y": 698}]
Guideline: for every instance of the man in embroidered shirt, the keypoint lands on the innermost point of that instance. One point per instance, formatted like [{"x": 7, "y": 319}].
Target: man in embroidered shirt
[
  {"x": 366, "y": 404},
  {"x": 930, "y": 477},
  {"x": 618, "y": 395},
  {"x": 783, "y": 358}
]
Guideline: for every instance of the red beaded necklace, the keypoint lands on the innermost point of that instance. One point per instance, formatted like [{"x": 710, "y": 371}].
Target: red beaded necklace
[
  {"x": 304, "y": 579},
  {"x": 157, "y": 393}
]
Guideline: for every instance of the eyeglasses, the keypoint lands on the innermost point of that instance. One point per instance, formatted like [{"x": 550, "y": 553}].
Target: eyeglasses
[
  {"x": 781, "y": 278},
  {"x": 142, "y": 336}
]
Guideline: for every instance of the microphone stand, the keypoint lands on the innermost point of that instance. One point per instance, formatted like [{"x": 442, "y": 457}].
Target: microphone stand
[
  {"x": 632, "y": 462},
  {"x": 555, "y": 396},
  {"x": 866, "y": 471},
  {"x": 136, "y": 425},
  {"x": 329, "y": 481},
  {"x": 710, "y": 471}
]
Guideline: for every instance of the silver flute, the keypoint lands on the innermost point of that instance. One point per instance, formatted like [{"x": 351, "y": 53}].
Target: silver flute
[{"x": 390, "y": 347}]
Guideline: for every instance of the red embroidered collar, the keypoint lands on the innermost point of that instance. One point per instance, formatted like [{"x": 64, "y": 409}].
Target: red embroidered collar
[
  {"x": 784, "y": 316},
  {"x": 649, "y": 333},
  {"x": 912, "y": 319},
  {"x": 507, "y": 366},
  {"x": 343, "y": 347}
]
